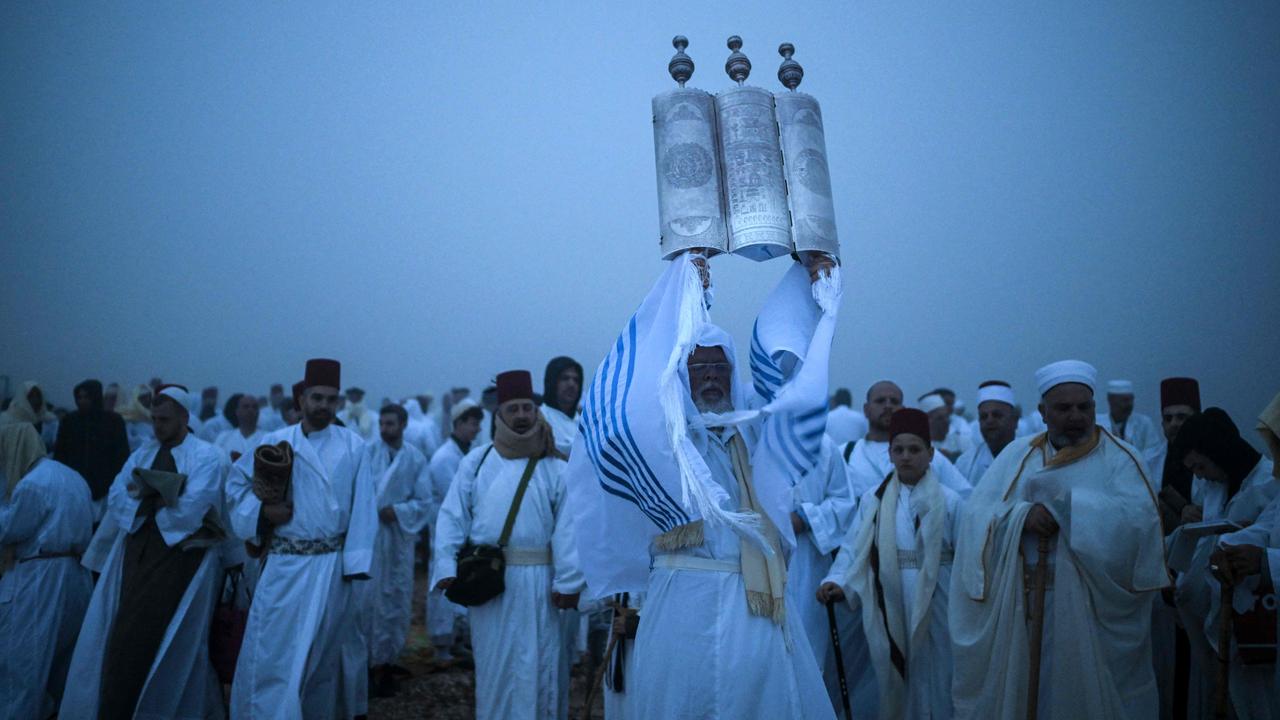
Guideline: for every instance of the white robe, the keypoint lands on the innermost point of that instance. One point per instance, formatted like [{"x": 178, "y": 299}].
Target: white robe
[
  {"x": 139, "y": 433},
  {"x": 958, "y": 439},
  {"x": 564, "y": 428},
  {"x": 617, "y": 701},
  {"x": 1258, "y": 695},
  {"x": 928, "y": 653},
  {"x": 974, "y": 462},
  {"x": 846, "y": 425},
  {"x": 700, "y": 652},
  {"x": 1139, "y": 431},
  {"x": 404, "y": 484},
  {"x": 43, "y": 597},
  {"x": 360, "y": 420},
  {"x": 234, "y": 441},
  {"x": 422, "y": 432},
  {"x": 441, "y": 613},
  {"x": 1198, "y": 596},
  {"x": 520, "y": 668},
  {"x": 1105, "y": 565},
  {"x": 213, "y": 427},
  {"x": 823, "y": 499},
  {"x": 269, "y": 419},
  {"x": 182, "y": 684},
  {"x": 304, "y": 651}
]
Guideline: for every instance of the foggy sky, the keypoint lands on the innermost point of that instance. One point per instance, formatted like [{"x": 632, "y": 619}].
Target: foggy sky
[{"x": 213, "y": 192}]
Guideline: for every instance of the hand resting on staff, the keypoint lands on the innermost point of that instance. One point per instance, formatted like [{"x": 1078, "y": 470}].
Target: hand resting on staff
[
  {"x": 830, "y": 592},
  {"x": 1040, "y": 521}
]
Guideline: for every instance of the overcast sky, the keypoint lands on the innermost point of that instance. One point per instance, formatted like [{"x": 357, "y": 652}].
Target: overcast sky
[{"x": 433, "y": 193}]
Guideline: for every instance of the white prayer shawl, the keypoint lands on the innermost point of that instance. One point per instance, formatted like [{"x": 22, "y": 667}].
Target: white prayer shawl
[
  {"x": 181, "y": 684},
  {"x": 634, "y": 472},
  {"x": 869, "y": 465},
  {"x": 564, "y": 428},
  {"x": 822, "y": 498},
  {"x": 700, "y": 652},
  {"x": 1109, "y": 560},
  {"x": 520, "y": 669},
  {"x": 422, "y": 430},
  {"x": 304, "y": 652},
  {"x": 213, "y": 427},
  {"x": 43, "y": 597},
  {"x": 846, "y": 425},
  {"x": 912, "y": 533},
  {"x": 234, "y": 441},
  {"x": 975, "y": 461},
  {"x": 360, "y": 420},
  {"x": 440, "y": 612},
  {"x": 1139, "y": 431},
  {"x": 1198, "y": 596},
  {"x": 403, "y": 484}
]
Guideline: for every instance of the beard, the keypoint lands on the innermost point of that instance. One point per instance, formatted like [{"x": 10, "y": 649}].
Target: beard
[{"x": 718, "y": 405}]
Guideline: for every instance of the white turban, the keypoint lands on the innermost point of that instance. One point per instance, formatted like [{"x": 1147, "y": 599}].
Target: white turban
[
  {"x": 996, "y": 392},
  {"x": 460, "y": 407},
  {"x": 1120, "y": 387},
  {"x": 1066, "y": 371},
  {"x": 932, "y": 402}
]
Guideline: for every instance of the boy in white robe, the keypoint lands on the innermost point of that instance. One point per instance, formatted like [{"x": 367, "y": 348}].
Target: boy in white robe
[
  {"x": 304, "y": 653},
  {"x": 46, "y": 523},
  {"x": 465, "y": 417},
  {"x": 402, "y": 488},
  {"x": 997, "y": 425},
  {"x": 143, "y": 648},
  {"x": 520, "y": 669},
  {"x": 896, "y": 565},
  {"x": 1087, "y": 494}
]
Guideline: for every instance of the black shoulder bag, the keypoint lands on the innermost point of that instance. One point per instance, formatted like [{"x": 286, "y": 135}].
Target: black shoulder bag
[{"x": 481, "y": 567}]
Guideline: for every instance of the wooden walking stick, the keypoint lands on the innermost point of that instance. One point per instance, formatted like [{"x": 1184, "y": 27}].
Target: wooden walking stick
[
  {"x": 1222, "y": 697},
  {"x": 835, "y": 645},
  {"x": 595, "y": 682},
  {"x": 1037, "y": 627}
]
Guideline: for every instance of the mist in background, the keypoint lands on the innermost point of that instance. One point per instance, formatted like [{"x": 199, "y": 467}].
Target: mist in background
[{"x": 213, "y": 193}]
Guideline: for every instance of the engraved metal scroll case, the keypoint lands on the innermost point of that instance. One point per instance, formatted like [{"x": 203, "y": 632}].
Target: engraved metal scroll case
[
  {"x": 690, "y": 188},
  {"x": 804, "y": 150},
  {"x": 751, "y": 157}
]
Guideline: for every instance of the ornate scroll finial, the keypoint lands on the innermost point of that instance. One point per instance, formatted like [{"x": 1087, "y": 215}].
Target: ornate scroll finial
[
  {"x": 789, "y": 73},
  {"x": 681, "y": 65},
  {"x": 737, "y": 66}
]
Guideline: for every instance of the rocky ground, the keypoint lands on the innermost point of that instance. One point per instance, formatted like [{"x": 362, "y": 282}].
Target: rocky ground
[{"x": 446, "y": 690}]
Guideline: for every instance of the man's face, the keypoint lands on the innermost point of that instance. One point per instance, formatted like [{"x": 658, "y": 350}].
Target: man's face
[
  {"x": 1069, "y": 413},
  {"x": 467, "y": 428},
  {"x": 940, "y": 422},
  {"x": 519, "y": 415},
  {"x": 84, "y": 401},
  {"x": 355, "y": 398},
  {"x": 247, "y": 412},
  {"x": 1201, "y": 465},
  {"x": 568, "y": 390},
  {"x": 36, "y": 398},
  {"x": 998, "y": 423},
  {"x": 168, "y": 421},
  {"x": 1120, "y": 406},
  {"x": 277, "y": 396},
  {"x": 911, "y": 457},
  {"x": 319, "y": 403},
  {"x": 883, "y": 399},
  {"x": 209, "y": 401},
  {"x": 1171, "y": 419},
  {"x": 710, "y": 379},
  {"x": 391, "y": 429}
]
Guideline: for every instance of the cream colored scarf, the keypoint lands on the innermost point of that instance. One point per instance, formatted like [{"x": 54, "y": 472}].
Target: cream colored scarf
[{"x": 538, "y": 441}]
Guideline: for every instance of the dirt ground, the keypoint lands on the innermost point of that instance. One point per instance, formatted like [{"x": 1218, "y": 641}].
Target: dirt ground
[{"x": 447, "y": 690}]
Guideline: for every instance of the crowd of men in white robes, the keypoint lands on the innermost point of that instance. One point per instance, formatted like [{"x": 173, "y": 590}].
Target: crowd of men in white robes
[{"x": 726, "y": 519}]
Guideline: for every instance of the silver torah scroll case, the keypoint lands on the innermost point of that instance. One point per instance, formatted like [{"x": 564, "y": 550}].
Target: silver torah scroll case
[{"x": 744, "y": 171}]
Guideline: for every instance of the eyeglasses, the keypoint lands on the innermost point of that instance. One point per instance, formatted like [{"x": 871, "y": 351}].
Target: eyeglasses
[{"x": 720, "y": 368}]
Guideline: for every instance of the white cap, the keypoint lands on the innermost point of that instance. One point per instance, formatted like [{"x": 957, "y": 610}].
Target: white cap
[
  {"x": 1120, "y": 387},
  {"x": 460, "y": 407},
  {"x": 1066, "y": 371},
  {"x": 179, "y": 395},
  {"x": 996, "y": 391},
  {"x": 932, "y": 402}
]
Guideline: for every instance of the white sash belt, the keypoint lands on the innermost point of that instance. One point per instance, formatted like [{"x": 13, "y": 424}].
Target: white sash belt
[
  {"x": 689, "y": 562},
  {"x": 527, "y": 556},
  {"x": 911, "y": 559}
]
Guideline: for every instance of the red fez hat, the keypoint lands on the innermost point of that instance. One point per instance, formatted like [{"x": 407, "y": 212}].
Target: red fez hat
[
  {"x": 514, "y": 385},
  {"x": 910, "y": 420},
  {"x": 298, "y": 388},
  {"x": 1180, "y": 391},
  {"x": 323, "y": 371}
]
